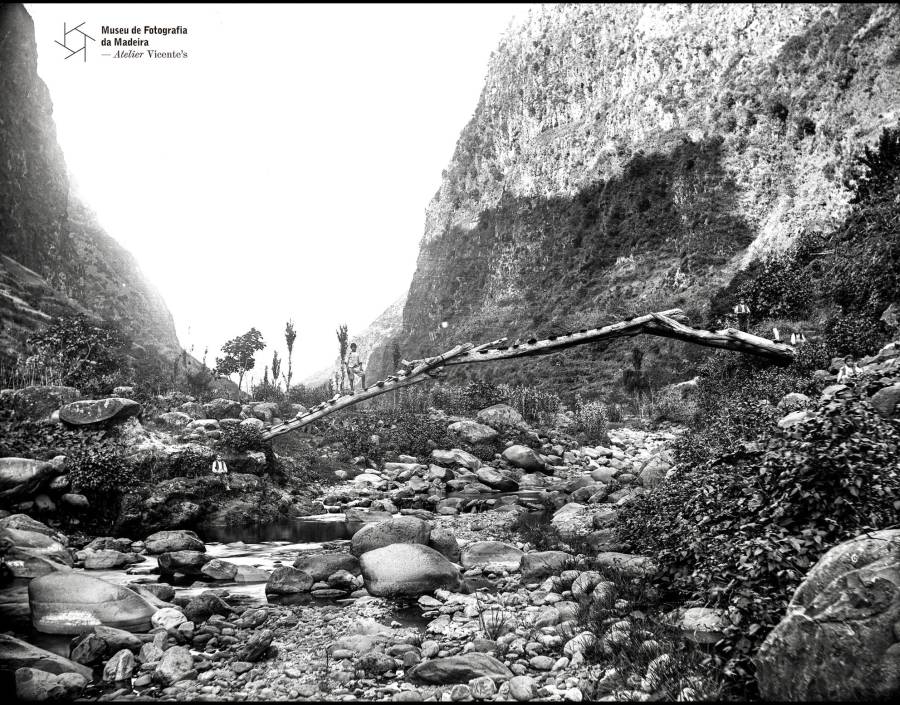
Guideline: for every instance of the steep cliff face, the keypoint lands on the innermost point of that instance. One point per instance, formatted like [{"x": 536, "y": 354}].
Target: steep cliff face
[
  {"x": 56, "y": 258},
  {"x": 624, "y": 158}
]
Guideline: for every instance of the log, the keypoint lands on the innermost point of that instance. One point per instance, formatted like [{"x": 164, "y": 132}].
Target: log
[{"x": 666, "y": 324}]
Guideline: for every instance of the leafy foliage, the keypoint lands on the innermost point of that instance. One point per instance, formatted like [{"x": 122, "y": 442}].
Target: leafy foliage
[
  {"x": 741, "y": 530},
  {"x": 241, "y": 437},
  {"x": 79, "y": 352},
  {"x": 736, "y": 400},
  {"x": 591, "y": 419},
  {"x": 373, "y": 435},
  {"x": 100, "y": 471},
  {"x": 44, "y": 441},
  {"x": 239, "y": 354}
]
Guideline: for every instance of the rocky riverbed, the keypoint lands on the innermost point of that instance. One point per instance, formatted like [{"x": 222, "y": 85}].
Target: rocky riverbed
[{"x": 414, "y": 585}]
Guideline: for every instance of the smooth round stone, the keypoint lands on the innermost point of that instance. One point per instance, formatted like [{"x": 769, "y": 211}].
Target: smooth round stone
[
  {"x": 405, "y": 569},
  {"x": 96, "y": 411},
  {"x": 71, "y": 602},
  {"x": 168, "y": 617}
]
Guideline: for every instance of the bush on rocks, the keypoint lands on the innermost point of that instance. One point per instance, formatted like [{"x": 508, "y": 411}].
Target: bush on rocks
[
  {"x": 241, "y": 437},
  {"x": 740, "y": 532},
  {"x": 100, "y": 471}
]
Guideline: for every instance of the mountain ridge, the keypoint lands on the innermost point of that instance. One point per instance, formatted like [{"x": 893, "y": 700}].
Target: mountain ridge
[
  {"x": 623, "y": 159},
  {"x": 57, "y": 259}
]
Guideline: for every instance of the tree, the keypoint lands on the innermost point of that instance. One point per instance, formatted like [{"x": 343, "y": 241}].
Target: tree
[
  {"x": 239, "y": 354},
  {"x": 290, "y": 335},
  {"x": 276, "y": 369},
  {"x": 395, "y": 354},
  {"x": 342, "y": 343}
]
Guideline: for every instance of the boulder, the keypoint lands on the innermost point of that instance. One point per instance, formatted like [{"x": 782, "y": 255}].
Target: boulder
[
  {"x": 117, "y": 639},
  {"x": 252, "y": 424},
  {"x": 704, "y": 625},
  {"x": 174, "y": 419},
  {"x": 217, "y": 569},
  {"x": 106, "y": 559},
  {"x": 887, "y": 401},
  {"x": 176, "y": 664},
  {"x": 186, "y": 562},
  {"x": 319, "y": 567},
  {"x": 628, "y": 564},
  {"x": 407, "y": 570},
  {"x": 70, "y": 602},
  {"x": 794, "y": 401},
  {"x": 92, "y": 412},
  {"x": 838, "y": 640},
  {"x": 168, "y": 618},
  {"x": 23, "y": 477},
  {"x": 35, "y": 685},
  {"x": 75, "y": 502},
  {"x": 169, "y": 541},
  {"x": 222, "y": 409},
  {"x": 525, "y": 458},
  {"x": 461, "y": 669},
  {"x": 482, "y": 553},
  {"x": 119, "y": 667},
  {"x": 26, "y": 523},
  {"x": 456, "y": 456},
  {"x": 522, "y": 688},
  {"x": 15, "y": 653},
  {"x": 794, "y": 418},
  {"x": 542, "y": 564},
  {"x": 250, "y": 574},
  {"x": 204, "y": 605},
  {"x": 39, "y": 402},
  {"x": 473, "y": 432},
  {"x": 264, "y": 411},
  {"x": 496, "y": 479},
  {"x": 501, "y": 417},
  {"x": 403, "y": 529},
  {"x": 567, "y": 516},
  {"x": 444, "y": 542},
  {"x": 30, "y": 554},
  {"x": 193, "y": 409}
]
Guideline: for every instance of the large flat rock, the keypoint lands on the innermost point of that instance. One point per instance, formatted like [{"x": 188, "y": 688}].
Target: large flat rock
[
  {"x": 90, "y": 412},
  {"x": 71, "y": 602}
]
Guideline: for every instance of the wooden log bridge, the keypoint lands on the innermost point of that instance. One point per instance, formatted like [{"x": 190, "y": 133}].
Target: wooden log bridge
[{"x": 666, "y": 324}]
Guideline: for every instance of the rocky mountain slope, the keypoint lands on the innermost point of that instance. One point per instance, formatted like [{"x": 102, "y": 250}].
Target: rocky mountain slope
[
  {"x": 55, "y": 256},
  {"x": 630, "y": 158}
]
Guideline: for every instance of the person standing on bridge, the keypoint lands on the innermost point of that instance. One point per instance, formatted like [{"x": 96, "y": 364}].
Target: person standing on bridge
[
  {"x": 742, "y": 311},
  {"x": 354, "y": 367}
]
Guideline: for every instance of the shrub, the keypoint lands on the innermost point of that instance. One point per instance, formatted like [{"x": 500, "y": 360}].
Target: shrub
[
  {"x": 42, "y": 441},
  {"x": 671, "y": 405},
  {"x": 100, "y": 471},
  {"x": 417, "y": 435},
  {"x": 590, "y": 419},
  {"x": 191, "y": 461},
  {"x": 479, "y": 395},
  {"x": 737, "y": 398},
  {"x": 309, "y": 396},
  {"x": 78, "y": 352},
  {"x": 356, "y": 434},
  {"x": 854, "y": 334},
  {"x": 240, "y": 438}
]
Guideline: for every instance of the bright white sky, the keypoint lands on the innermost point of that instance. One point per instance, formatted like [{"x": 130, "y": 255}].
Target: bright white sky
[{"x": 283, "y": 169}]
